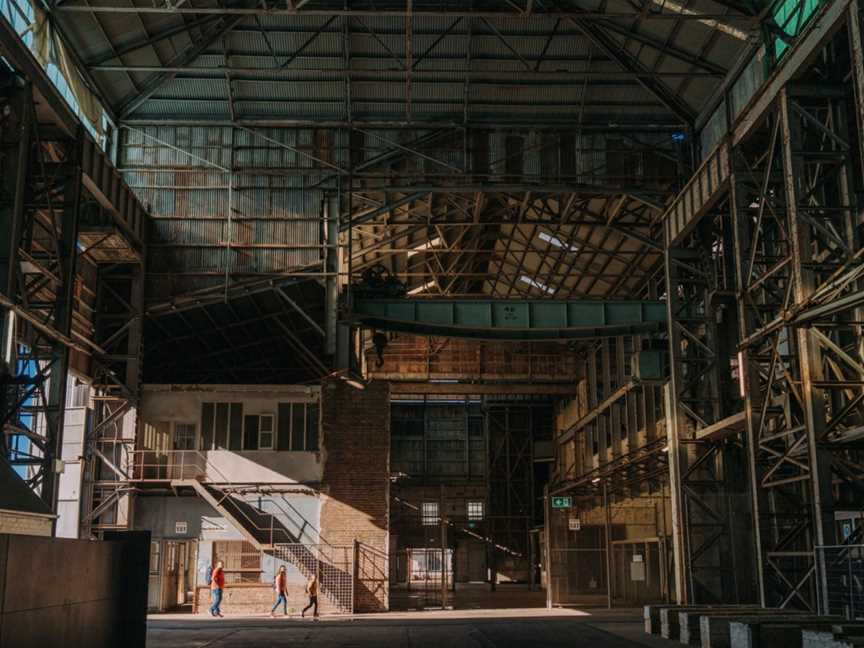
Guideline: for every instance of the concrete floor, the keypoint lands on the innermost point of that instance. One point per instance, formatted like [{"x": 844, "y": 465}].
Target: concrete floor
[{"x": 502, "y": 628}]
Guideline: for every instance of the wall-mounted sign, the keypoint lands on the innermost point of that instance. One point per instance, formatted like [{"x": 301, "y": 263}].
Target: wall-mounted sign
[
  {"x": 181, "y": 528},
  {"x": 637, "y": 571},
  {"x": 574, "y": 523},
  {"x": 562, "y": 502}
]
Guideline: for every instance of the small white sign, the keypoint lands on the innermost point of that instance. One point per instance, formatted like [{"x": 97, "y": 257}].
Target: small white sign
[
  {"x": 181, "y": 528},
  {"x": 637, "y": 571},
  {"x": 637, "y": 557},
  {"x": 574, "y": 523}
]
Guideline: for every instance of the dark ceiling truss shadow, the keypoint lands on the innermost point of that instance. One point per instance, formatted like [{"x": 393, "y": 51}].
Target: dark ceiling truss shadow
[{"x": 255, "y": 335}]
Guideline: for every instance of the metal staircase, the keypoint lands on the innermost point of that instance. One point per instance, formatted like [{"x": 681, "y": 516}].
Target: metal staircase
[{"x": 332, "y": 565}]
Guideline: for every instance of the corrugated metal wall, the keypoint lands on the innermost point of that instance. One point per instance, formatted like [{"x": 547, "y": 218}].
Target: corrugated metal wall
[{"x": 182, "y": 174}]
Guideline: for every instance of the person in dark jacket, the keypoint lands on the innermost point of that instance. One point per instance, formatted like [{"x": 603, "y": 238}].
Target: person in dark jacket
[{"x": 312, "y": 590}]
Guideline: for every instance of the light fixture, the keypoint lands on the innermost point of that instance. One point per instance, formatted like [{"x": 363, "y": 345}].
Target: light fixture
[
  {"x": 596, "y": 480},
  {"x": 741, "y": 389},
  {"x": 422, "y": 288},
  {"x": 422, "y": 247},
  {"x": 665, "y": 448}
]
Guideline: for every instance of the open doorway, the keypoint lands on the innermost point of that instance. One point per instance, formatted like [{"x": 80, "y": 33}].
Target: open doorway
[{"x": 467, "y": 484}]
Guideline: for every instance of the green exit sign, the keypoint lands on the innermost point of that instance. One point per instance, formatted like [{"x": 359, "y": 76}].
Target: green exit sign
[{"x": 561, "y": 502}]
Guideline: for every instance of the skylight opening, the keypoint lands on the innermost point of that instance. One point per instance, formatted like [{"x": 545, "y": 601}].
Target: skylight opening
[
  {"x": 725, "y": 27},
  {"x": 422, "y": 288},
  {"x": 536, "y": 284},
  {"x": 554, "y": 240},
  {"x": 428, "y": 245}
]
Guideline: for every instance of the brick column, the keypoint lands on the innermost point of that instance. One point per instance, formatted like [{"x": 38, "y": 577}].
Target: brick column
[{"x": 355, "y": 426}]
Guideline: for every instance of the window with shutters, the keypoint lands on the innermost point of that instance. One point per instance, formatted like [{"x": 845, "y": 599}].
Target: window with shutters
[
  {"x": 293, "y": 426},
  {"x": 221, "y": 426},
  {"x": 298, "y": 427}
]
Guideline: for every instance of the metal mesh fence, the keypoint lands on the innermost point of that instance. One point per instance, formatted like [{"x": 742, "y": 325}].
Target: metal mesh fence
[
  {"x": 421, "y": 574},
  {"x": 332, "y": 565},
  {"x": 843, "y": 585},
  {"x": 578, "y": 576}
]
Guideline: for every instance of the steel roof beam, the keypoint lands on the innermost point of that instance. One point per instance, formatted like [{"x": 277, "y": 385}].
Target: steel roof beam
[
  {"x": 384, "y": 13},
  {"x": 156, "y": 82},
  {"x": 645, "y": 77},
  {"x": 152, "y": 40}
]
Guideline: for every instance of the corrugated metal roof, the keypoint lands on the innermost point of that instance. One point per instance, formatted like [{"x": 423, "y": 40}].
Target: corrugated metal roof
[{"x": 514, "y": 45}]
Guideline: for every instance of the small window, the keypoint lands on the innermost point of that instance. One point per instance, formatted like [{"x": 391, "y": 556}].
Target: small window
[
  {"x": 154, "y": 557},
  {"x": 185, "y": 436},
  {"x": 265, "y": 432},
  {"x": 429, "y": 512},
  {"x": 475, "y": 511}
]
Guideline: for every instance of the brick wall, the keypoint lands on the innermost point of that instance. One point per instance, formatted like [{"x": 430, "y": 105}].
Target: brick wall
[
  {"x": 23, "y": 524},
  {"x": 259, "y": 599},
  {"x": 356, "y": 446}
]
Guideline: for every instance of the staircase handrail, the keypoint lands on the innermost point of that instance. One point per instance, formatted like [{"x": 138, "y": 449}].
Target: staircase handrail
[{"x": 208, "y": 466}]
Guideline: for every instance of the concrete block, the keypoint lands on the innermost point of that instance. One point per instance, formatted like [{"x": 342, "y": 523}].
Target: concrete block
[
  {"x": 669, "y": 619},
  {"x": 767, "y": 632},
  {"x": 689, "y": 620},
  {"x": 651, "y": 615},
  {"x": 838, "y": 636}
]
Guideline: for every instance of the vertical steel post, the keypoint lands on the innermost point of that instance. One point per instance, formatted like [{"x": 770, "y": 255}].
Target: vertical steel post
[
  {"x": 63, "y": 310},
  {"x": 808, "y": 351},
  {"x": 608, "y": 533},
  {"x": 547, "y": 543},
  {"x": 443, "y": 560},
  {"x": 331, "y": 268}
]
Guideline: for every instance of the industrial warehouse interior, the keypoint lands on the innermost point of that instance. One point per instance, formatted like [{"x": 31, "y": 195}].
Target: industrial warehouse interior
[{"x": 481, "y": 323}]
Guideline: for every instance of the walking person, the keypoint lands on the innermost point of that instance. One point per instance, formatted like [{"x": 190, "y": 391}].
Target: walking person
[
  {"x": 312, "y": 591},
  {"x": 280, "y": 587},
  {"x": 217, "y": 584}
]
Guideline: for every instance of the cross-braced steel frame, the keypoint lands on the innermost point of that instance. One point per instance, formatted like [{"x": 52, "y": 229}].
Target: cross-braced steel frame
[
  {"x": 41, "y": 198},
  {"x": 116, "y": 382},
  {"x": 793, "y": 219},
  {"x": 71, "y": 255},
  {"x": 510, "y": 471},
  {"x": 798, "y": 250},
  {"x": 707, "y": 470}
]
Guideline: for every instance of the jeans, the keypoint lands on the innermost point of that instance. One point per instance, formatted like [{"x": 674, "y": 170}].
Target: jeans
[
  {"x": 283, "y": 599},
  {"x": 313, "y": 602},
  {"x": 216, "y": 597}
]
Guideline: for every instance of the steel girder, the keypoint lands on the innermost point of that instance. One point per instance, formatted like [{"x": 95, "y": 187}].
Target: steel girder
[{"x": 513, "y": 319}]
